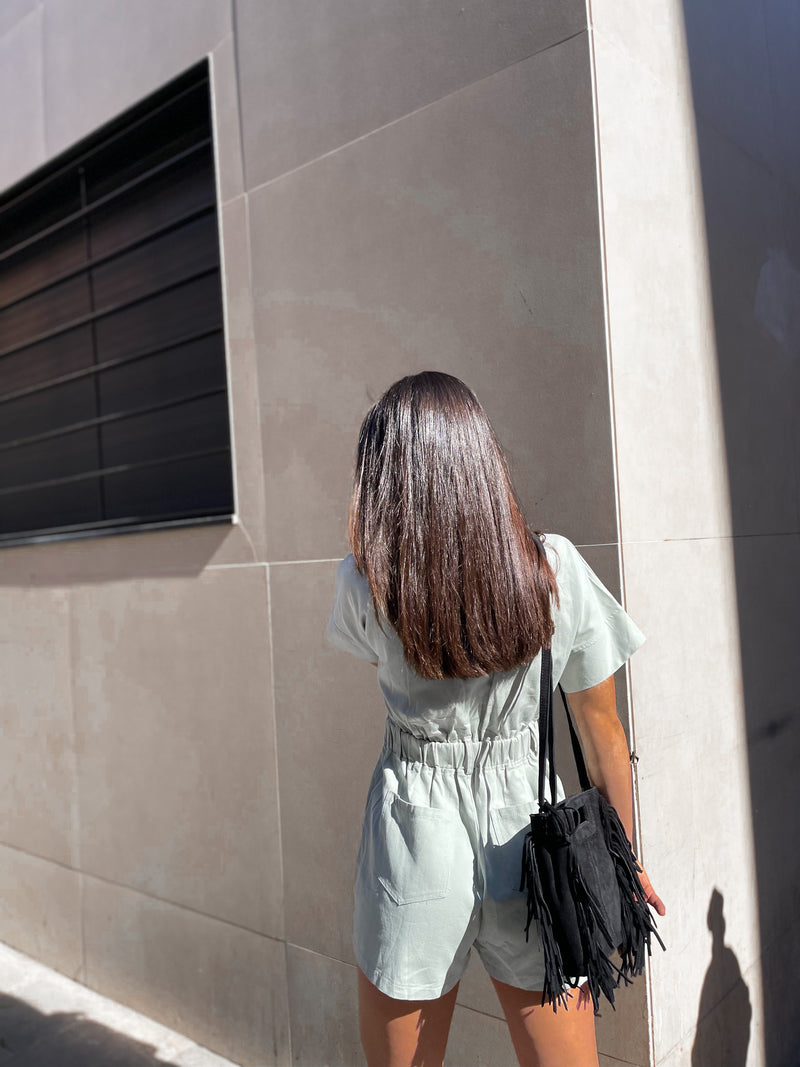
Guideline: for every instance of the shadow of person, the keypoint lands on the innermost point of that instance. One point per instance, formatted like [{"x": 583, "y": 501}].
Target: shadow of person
[
  {"x": 33, "y": 1038},
  {"x": 723, "y": 1019}
]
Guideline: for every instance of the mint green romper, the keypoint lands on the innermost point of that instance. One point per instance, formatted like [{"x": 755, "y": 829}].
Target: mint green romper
[{"x": 448, "y": 806}]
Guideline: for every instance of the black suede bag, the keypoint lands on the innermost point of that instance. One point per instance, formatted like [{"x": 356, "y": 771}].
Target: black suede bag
[{"x": 582, "y": 878}]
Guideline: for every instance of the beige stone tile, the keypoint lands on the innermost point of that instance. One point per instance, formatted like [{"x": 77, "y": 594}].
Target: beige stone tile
[
  {"x": 741, "y": 205},
  {"x": 330, "y": 75},
  {"x": 218, "y": 984},
  {"x": 180, "y": 550},
  {"x": 671, "y": 468},
  {"x": 730, "y": 72},
  {"x": 110, "y": 61},
  {"x": 330, "y": 718},
  {"x": 775, "y": 1018},
  {"x": 40, "y": 913},
  {"x": 17, "y": 969},
  {"x": 176, "y": 742},
  {"x": 463, "y": 238},
  {"x": 38, "y": 795},
  {"x": 604, "y": 561},
  {"x": 478, "y": 1040},
  {"x": 476, "y": 990},
  {"x": 782, "y": 28},
  {"x": 21, "y": 81},
  {"x": 683, "y": 595},
  {"x": 766, "y": 600},
  {"x": 651, "y": 34},
  {"x": 323, "y": 1007},
  {"x": 14, "y": 10},
  {"x": 225, "y": 109},
  {"x": 732, "y": 1030},
  {"x": 623, "y": 1031},
  {"x": 766, "y": 596},
  {"x": 691, "y": 735},
  {"x": 676, "y": 1057},
  {"x": 243, "y": 374},
  {"x": 753, "y": 296}
]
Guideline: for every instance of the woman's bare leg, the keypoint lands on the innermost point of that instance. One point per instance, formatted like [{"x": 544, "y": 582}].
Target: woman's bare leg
[
  {"x": 403, "y": 1033},
  {"x": 543, "y": 1038}
]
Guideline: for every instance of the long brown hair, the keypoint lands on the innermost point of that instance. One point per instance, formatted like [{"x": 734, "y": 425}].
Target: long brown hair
[{"x": 436, "y": 527}]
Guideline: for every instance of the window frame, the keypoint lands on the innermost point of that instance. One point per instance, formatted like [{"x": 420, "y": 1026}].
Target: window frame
[{"x": 69, "y": 161}]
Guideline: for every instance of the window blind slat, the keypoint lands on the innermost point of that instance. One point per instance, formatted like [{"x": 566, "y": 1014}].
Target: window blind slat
[
  {"x": 166, "y": 260},
  {"x": 98, "y": 368},
  {"x": 47, "y": 314},
  {"x": 86, "y": 265},
  {"x": 105, "y": 312},
  {"x": 36, "y": 364},
  {"x": 32, "y": 271},
  {"x": 49, "y": 460},
  {"x": 83, "y": 212},
  {"x": 74, "y": 504},
  {"x": 31, "y": 417},
  {"x": 96, "y": 473},
  {"x": 165, "y": 317}
]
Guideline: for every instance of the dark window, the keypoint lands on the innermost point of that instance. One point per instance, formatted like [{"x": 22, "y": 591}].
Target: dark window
[{"x": 113, "y": 385}]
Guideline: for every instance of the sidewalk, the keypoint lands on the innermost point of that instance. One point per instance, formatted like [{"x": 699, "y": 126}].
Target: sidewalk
[{"x": 47, "y": 1020}]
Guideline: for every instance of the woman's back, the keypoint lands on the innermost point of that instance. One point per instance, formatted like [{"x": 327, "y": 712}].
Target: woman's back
[{"x": 592, "y": 638}]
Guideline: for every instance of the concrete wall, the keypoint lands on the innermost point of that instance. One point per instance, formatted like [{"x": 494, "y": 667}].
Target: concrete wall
[
  {"x": 184, "y": 762},
  {"x": 699, "y": 142},
  {"x": 746, "y": 85}
]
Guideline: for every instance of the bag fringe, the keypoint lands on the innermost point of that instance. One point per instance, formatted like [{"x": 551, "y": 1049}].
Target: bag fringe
[
  {"x": 638, "y": 926},
  {"x": 554, "y": 978}
]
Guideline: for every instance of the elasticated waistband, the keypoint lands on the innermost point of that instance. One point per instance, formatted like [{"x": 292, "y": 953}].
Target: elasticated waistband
[{"x": 462, "y": 755}]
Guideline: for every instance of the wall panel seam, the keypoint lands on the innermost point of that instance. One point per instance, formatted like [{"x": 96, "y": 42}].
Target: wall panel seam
[
  {"x": 75, "y": 800},
  {"x": 410, "y": 114},
  {"x": 275, "y": 750},
  {"x": 81, "y": 873}
]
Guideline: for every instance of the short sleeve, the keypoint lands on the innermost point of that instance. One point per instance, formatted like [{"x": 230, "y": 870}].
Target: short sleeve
[
  {"x": 604, "y": 635},
  {"x": 348, "y": 625}
]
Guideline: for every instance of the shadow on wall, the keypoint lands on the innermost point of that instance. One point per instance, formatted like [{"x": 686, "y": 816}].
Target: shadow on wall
[
  {"x": 746, "y": 90},
  {"x": 31, "y": 1038},
  {"x": 723, "y": 1021}
]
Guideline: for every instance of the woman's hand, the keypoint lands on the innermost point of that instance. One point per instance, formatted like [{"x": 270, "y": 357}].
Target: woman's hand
[{"x": 650, "y": 895}]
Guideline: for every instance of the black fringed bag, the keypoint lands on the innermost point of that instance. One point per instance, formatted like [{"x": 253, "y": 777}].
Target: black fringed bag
[{"x": 582, "y": 878}]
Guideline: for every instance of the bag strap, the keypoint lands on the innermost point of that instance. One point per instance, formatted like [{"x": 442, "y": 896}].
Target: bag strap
[
  {"x": 547, "y": 732},
  {"x": 546, "y": 726}
]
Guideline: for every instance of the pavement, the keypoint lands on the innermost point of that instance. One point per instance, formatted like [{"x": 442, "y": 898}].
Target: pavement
[{"x": 47, "y": 1020}]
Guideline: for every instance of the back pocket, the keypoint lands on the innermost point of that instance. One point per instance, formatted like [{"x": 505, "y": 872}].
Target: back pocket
[
  {"x": 503, "y": 855},
  {"x": 409, "y": 850}
]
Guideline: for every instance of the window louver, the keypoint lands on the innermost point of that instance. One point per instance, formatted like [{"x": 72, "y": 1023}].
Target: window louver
[{"x": 113, "y": 384}]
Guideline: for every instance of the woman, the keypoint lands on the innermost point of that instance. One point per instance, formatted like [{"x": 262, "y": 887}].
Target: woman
[{"x": 446, "y": 593}]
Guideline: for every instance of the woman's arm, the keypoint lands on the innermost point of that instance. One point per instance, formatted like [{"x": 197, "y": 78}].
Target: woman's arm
[{"x": 607, "y": 758}]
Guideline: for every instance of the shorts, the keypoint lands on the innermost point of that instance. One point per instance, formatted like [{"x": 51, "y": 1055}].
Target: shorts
[{"x": 439, "y": 863}]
